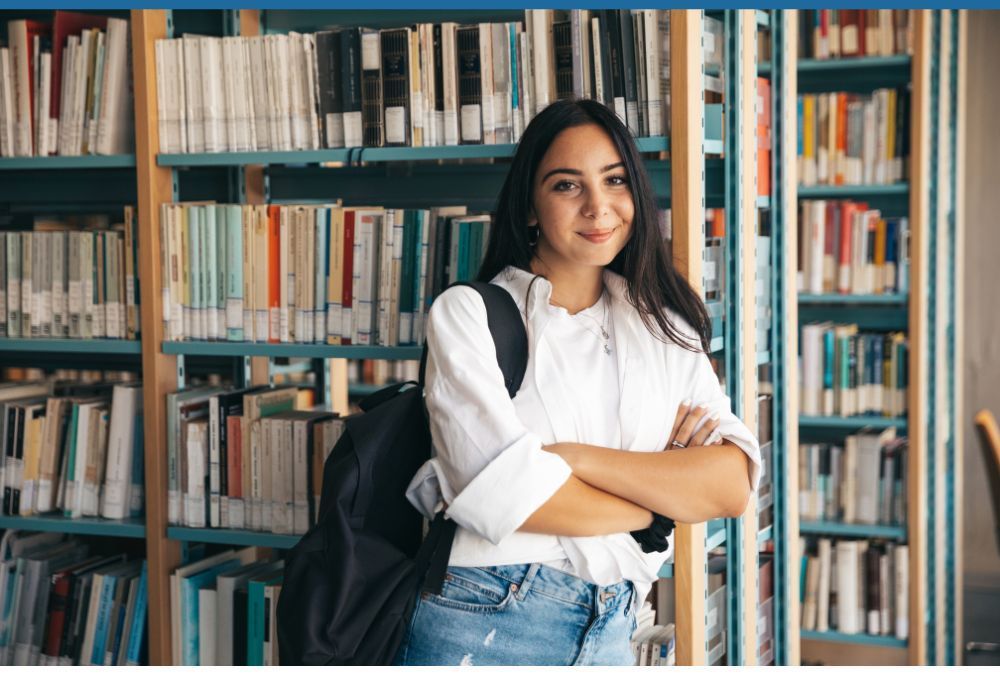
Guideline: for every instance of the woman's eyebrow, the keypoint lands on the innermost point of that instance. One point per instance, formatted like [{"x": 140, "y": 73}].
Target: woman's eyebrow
[{"x": 571, "y": 171}]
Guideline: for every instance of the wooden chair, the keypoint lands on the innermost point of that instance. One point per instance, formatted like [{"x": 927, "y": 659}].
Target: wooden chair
[
  {"x": 988, "y": 653},
  {"x": 989, "y": 440}
]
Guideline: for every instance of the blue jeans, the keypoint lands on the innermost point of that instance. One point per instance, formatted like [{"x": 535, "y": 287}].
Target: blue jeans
[{"x": 522, "y": 614}]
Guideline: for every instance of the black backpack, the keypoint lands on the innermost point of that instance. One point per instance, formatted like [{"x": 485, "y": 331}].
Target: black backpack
[{"x": 351, "y": 582}]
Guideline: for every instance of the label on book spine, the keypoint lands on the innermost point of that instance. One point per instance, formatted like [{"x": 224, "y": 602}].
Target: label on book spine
[
  {"x": 471, "y": 123},
  {"x": 335, "y": 130},
  {"x": 352, "y": 130},
  {"x": 395, "y": 124}
]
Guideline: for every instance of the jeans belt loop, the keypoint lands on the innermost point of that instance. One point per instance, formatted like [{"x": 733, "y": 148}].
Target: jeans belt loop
[{"x": 529, "y": 576}]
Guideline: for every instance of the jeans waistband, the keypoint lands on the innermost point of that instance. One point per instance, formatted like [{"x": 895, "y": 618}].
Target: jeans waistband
[{"x": 565, "y": 586}]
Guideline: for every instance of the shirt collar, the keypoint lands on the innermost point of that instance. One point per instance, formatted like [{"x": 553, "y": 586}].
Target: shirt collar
[{"x": 517, "y": 282}]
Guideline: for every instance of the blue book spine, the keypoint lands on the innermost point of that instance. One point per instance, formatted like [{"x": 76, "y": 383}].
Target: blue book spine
[
  {"x": 464, "y": 232},
  {"x": 321, "y": 268},
  {"x": 878, "y": 376},
  {"x": 234, "y": 273},
  {"x": 828, "y": 361},
  {"x": 255, "y": 619},
  {"x": 512, "y": 32},
  {"x": 138, "y": 630},
  {"x": 800, "y": 117},
  {"x": 103, "y": 619},
  {"x": 420, "y": 244},
  {"x": 189, "y": 602}
]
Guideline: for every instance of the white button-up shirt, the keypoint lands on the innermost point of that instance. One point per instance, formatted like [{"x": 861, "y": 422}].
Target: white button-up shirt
[{"x": 488, "y": 467}]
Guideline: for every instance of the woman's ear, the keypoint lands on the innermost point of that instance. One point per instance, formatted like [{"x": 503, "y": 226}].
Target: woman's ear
[{"x": 532, "y": 219}]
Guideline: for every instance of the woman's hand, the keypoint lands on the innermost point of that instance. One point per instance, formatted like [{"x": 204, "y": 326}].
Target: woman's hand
[{"x": 693, "y": 429}]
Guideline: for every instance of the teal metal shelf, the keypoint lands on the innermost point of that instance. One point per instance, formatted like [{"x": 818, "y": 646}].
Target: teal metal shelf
[
  {"x": 89, "y": 347},
  {"x": 824, "y": 527},
  {"x": 849, "y": 65},
  {"x": 132, "y": 528},
  {"x": 715, "y": 535},
  {"x": 851, "y": 422},
  {"x": 352, "y": 352},
  {"x": 243, "y": 538},
  {"x": 873, "y": 299},
  {"x": 764, "y": 536},
  {"x": 897, "y": 189},
  {"x": 68, "y": 162},
  {"x": 366, "y": 155},
  {"x": 869, "y": 639}
]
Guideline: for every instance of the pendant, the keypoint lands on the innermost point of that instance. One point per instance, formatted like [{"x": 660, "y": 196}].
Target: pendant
[{"x": 607, "y": 349}]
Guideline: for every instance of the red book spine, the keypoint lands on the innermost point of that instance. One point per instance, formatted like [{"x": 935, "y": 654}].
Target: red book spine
[
  {"x": 234, "y": 456},
  {"x": 348, "y": 273},
  {"x": 274, "y": 273},
  {"x": 57, "y": 614}
]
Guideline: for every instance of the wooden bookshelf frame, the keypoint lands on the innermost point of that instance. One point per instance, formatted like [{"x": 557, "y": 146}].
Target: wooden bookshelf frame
[
  {"x": 159, "y": 371},
  {"x": 160, "y": 368},
  {"x": 687, "y": 210}
]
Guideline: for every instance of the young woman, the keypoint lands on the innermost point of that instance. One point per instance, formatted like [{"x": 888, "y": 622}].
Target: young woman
[{"x": 619, "y": 418}]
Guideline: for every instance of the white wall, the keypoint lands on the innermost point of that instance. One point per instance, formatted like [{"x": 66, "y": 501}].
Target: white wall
[{"x": 981, "y": 364}]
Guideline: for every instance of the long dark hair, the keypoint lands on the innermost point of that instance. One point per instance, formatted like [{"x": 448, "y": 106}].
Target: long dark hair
[{"x": 653, "y": 284}]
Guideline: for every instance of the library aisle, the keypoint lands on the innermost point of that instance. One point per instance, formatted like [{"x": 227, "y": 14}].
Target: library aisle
[{"x": 222, "y": 232}]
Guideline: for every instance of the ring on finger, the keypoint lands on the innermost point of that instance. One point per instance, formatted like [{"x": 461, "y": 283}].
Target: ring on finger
[{"x": 679, "y": 444}]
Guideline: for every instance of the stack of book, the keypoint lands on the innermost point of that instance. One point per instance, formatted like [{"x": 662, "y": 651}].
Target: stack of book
[
  {"x": 653, "y": 644},
  {"x": 70, "y": 284},
  {"x": 62, "y": 606},
  {"x": 72, "y": 449},
  {"x": 855, "y": 587},
  {"x": 847, "y": 248},
  {"x": 848, "y": 373},
  {"x": 853, "y": 139},
  {"x": 825, "y": 34},
  {"x": 312, "y": 274},
  {"x": 66, "y": 87},
  {"x": 224, "y": 610},
  {"x": 246, "y": 458},
  {"x": 863, "y": 481},
  {"x": 422, "y": 85}
]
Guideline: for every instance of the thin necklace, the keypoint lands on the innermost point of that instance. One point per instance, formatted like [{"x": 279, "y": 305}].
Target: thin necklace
[{"x": 604, "y": 333}]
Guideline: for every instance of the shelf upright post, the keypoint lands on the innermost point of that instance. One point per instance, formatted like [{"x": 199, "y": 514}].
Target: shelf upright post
[
  {"x": 746, "y": 380},
  {"x": 784, "y": 334},
  {"x": 784, "y": 353},
  {"x": 958, "y": 320},
  {"x": 917, "y": 409},
  {"x": 687, "y": 209},
  {"x": 159, "y": 371}
]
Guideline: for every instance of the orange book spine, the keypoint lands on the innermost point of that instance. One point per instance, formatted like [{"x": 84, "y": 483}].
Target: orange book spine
[
  {"x": 347, "y": 301},
  {"x": 274, "y": 273}
]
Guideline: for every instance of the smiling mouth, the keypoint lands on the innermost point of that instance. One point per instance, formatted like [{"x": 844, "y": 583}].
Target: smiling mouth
[{"x": 597, "y": 236}]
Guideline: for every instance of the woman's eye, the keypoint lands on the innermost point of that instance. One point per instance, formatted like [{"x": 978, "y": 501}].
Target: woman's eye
[
  {"x": 618, "y": 180},
  {"x": 564, "y": 186}
]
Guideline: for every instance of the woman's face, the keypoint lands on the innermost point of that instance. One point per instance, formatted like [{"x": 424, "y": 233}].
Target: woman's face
[{"x": 582, "y": 200}]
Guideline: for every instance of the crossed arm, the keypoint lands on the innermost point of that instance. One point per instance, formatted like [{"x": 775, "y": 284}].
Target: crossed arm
[{"x": 612, "y": 491}]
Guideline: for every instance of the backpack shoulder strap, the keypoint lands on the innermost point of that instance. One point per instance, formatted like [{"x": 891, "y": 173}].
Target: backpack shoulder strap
[
  {"x": 507, "y": 329},
  {"x": 511, "y": 341}
]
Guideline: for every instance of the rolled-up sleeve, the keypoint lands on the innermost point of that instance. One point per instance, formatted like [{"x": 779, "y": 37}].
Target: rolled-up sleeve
[
  {"x": 705, "y": 390},
  {"x": 491, "y": 470}
]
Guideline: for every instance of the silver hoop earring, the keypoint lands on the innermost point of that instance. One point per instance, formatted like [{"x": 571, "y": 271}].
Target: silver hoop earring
[{"x": 533, "y": 234}]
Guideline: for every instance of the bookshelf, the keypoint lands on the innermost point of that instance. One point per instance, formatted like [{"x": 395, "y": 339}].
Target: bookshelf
[
  {"x": 687, "y": 179},
  {"x": 928, "y": 314}
]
